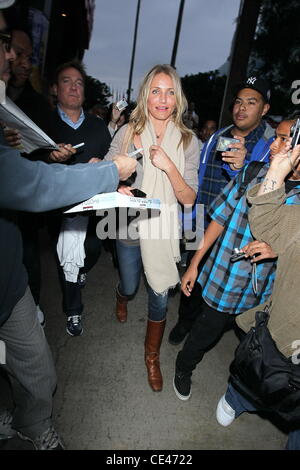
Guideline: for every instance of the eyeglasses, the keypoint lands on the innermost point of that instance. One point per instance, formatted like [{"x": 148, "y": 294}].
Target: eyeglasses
[{"x": 6, "y": 39}]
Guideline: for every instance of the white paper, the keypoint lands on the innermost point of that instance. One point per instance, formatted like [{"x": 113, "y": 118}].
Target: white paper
[
  {"x": 110, "y": 200},
  {"x": 32, "y": 137}
]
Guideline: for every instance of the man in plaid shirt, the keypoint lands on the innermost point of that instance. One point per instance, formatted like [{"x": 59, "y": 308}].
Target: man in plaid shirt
[
  {"x": 216, "y": 169},
  {"x": 227, "y": 288}
]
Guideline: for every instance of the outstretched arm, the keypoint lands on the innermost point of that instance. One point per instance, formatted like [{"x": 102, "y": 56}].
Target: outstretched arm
[
  {"x": 37, "y": 187},
  {"x": 212, "y": 232}
]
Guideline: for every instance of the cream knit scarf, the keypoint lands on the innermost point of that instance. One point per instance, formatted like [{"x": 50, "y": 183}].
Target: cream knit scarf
[{"x": 159, "y": 235}]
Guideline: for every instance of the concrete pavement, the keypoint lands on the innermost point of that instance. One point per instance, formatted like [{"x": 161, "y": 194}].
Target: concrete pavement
[{"x": 103, "y": 399}]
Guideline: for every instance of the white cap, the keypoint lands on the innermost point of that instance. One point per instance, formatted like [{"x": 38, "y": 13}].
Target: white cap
[{"x": 6, "y": 3}]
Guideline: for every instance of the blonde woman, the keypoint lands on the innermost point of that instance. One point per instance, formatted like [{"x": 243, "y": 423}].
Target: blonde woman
[{"x": 167, "y": 169}]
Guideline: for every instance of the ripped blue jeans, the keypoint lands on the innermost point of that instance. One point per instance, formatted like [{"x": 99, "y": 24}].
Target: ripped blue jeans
[{"x": 130, "y": 269}]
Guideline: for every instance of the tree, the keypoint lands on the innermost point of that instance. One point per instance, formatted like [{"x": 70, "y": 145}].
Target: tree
[
  {"x": 96, "y": 92},
  {"x": 206, "y": 91},
  {"x": 276, "y": 50}
]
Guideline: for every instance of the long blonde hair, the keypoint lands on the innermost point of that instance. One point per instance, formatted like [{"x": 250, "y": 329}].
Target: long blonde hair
[{"x": 140, "y": 115}]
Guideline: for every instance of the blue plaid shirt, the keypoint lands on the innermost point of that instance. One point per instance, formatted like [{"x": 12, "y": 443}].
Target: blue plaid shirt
[
  {"x": 226, "y": 286},
  {"x": 216, "y": 175}
]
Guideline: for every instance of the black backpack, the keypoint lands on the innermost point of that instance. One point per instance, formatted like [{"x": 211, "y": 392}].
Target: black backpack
[{"x": 264, "y": 375}]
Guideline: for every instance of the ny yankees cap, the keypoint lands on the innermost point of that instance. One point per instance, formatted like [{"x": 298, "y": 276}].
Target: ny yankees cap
[{"x": 258, "y": 84}]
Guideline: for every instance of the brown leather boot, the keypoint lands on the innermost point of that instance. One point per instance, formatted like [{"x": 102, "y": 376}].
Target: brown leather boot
[
  {"x": 121, "y": 307},
  {"x": 154, "y": 335}
]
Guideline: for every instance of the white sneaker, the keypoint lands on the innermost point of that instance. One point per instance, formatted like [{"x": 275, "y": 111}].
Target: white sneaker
[
  {"x": 225, "y": 414},
  {"x": 40, "y": 315}
]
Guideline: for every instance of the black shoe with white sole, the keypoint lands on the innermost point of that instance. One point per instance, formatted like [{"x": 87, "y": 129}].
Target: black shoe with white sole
[{"x": 182, "y": 385}]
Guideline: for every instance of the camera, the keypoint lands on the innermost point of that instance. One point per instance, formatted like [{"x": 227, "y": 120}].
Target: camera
[
  {"x": 224, "y": 144},
  {"x": 122, "y": 104},
  {"x": 237, "y": 254},
  {"x": 138, "y": 193},
  {"x": 295, "y": 133}
]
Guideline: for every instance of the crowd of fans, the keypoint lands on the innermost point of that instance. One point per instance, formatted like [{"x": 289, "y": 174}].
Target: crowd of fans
[{"x": 177, "y": 158}]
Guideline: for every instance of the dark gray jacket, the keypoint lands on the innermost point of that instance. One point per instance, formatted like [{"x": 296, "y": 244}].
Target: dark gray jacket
[{"x": 37, "y": 187}]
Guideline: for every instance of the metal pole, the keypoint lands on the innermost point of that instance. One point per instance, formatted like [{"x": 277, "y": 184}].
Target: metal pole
[
  {"x": 133, "y": 50},
  {"x": 47, "y": 13},
  {"x": 177, "y": 33},
  {"x": 241, "y": 49}
]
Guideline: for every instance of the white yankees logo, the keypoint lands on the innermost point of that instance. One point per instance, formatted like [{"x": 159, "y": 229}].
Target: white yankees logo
[{"x": 251, "y": 80}]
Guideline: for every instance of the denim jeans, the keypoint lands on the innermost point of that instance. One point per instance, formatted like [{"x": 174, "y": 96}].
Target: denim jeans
[
  {"x": 130, "y": 268},
  {"x": 240, "y": 404}
]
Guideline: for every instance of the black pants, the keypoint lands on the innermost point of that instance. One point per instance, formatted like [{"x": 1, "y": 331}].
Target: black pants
[
  {"x": 72, "y": 297},
  {"x": 208, "y": 327},
  {"x": 189, "y": 307}
]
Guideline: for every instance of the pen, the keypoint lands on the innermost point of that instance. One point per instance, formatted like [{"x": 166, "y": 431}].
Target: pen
[
  {"x": 132, "y": 154},
  {"x": 78, "y": 145}
]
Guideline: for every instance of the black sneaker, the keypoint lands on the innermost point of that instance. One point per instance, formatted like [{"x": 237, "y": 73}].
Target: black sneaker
[
  {"x": 81, "y": 279},
  {"x": 177, "y": 334},
  {"x": 48, "y": 440},
  {"x": 74, "y": 325},
  {"x": 182, "y": 385}
]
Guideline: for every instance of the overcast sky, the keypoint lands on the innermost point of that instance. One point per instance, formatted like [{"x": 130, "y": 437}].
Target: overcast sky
[{"x": 205, "y": 39}]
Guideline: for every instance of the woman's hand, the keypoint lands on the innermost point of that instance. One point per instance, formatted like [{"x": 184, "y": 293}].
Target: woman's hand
[
  {"x": 258, "y": 251},
  {"x": 283, "y": 161},
  {"x": 236, "y": 158},
  {"x": 188, "y": 280},
  {"x": 282, "y": 164},
  {"x": 125, "y": 190},
  {"x": 160, "y": 159},
  {"x": 115, "y": 115}
]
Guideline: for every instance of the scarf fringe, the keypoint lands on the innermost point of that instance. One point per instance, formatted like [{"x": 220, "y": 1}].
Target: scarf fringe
[{"x": 165, "y": 292}]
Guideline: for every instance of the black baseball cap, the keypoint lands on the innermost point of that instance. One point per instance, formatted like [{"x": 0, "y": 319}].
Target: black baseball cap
[{"x": 258, "y": 84}]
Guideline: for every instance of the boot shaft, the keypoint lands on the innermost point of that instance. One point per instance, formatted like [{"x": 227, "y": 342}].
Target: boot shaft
[
  {"x": 121, "y": 307},
  {"x": 154, "y": 336}
]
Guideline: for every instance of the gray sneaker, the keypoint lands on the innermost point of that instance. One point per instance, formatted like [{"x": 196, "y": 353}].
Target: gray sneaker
[
  {"x": 48, "y": 440},
  {"x": 6, "y": 430}
]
